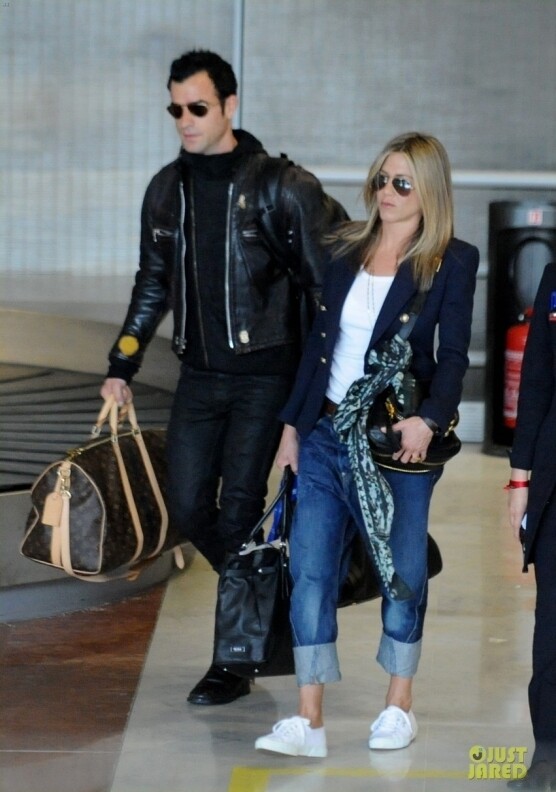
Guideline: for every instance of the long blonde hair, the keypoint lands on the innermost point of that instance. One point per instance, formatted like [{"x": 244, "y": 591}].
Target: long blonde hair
[{"x": 430, "y": 167}]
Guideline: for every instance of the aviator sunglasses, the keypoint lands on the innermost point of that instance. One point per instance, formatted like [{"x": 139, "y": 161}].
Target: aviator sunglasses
[
  {"x": 198, "y": 109},
  {"x": 401, "y": 185}
]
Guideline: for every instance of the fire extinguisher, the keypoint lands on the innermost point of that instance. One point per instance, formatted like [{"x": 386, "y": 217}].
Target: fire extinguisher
[{"x": 516, "y": 338}]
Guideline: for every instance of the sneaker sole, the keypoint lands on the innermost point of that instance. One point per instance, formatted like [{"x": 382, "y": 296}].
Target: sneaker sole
[
  {"x": 263, "y": 744},
  {"x": 382, "y": 744}
]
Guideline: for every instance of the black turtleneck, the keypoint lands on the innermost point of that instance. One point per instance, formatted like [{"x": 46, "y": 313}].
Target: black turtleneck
[{"x": 207, "y": 347}]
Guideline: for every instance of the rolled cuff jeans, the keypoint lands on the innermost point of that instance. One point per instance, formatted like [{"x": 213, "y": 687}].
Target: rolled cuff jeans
[{"x": 326, "y": 517}]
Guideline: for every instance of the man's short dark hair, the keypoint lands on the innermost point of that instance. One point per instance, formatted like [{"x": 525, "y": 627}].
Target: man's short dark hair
[{"x": 195, "y": 61}]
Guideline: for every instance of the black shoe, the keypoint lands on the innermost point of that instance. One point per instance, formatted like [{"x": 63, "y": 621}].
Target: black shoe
[
  {"x": 219, "y": 687},
  {"x": 541, "y": 776}
]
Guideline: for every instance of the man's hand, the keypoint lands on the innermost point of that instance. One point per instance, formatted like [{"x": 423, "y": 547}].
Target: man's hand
[{"x": 118, "y": 388}]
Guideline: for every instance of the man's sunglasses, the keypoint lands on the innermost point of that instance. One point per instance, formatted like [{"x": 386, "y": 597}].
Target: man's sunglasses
[
  {"x": 401, "y": 186},
  {"x": 198, "y": 109}
]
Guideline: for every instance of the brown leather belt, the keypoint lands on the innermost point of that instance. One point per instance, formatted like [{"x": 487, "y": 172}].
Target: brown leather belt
[{"x": 328, "y": 407}]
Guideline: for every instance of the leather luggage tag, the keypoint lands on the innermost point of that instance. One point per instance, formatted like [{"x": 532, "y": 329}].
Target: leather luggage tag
[{"x": 52, "y": 511}]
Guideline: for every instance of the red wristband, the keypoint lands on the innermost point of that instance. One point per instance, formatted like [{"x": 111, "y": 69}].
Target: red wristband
[{"x": 516, "y": 484}]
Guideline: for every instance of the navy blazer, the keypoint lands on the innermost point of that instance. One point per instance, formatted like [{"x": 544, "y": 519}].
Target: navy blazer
[
  {"x": 448, "y": 307},
  {"x": 535, "y": 432}
]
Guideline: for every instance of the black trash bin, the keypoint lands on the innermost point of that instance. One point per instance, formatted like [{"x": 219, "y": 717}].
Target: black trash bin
[{"x": 522, "y": 240}]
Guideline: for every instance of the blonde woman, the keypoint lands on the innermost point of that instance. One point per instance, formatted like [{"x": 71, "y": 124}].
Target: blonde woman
[{"x": 377, "y": 268}]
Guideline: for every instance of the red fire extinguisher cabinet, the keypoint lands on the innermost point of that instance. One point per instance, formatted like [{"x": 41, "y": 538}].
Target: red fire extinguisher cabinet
[{"x": 522, "y": 240}]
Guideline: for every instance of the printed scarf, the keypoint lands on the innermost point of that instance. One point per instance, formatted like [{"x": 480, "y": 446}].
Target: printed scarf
[{"x": 386, "y": 367}]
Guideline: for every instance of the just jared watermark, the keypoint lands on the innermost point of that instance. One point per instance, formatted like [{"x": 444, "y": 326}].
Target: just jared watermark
[{"x": 496, "y": 762}]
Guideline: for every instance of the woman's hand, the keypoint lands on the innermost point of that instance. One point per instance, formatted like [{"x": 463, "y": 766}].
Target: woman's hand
[
  {"x": 288, "y": 450},
  {"x": 416, "y": 436},
  {"x": 517, "y": 501}
]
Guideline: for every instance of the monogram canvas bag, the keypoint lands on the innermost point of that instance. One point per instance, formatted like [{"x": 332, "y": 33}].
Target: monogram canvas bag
[{"x": 100, "y": 513}]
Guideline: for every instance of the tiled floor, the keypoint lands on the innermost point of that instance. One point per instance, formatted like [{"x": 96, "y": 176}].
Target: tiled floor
[
  {"x": 68, "y": 682},
  {"x": 66, "y": 688}
]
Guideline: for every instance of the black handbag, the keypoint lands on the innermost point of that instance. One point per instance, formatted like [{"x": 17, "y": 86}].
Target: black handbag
[
  {"x": 388, "y": 409},
  {"x": 385, "y": 441},
  {"x": 361, "y": 584},
  {"x": 252, "y": 636}
]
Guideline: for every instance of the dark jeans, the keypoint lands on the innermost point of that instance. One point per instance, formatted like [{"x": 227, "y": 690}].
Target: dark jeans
[
  {"x": 222, "y": 439},
  {"x": 542, "y": 688}
]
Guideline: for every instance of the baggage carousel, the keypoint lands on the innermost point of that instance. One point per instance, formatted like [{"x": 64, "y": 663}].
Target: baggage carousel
[{"x": 51, "y": 368}]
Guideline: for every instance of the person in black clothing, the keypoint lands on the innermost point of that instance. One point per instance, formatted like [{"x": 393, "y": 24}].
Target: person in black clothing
[
  {"x": 231, "y": 243},
  {"x": 532, "y": 518}
]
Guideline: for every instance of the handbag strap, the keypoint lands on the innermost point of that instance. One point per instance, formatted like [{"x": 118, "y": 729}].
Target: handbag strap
[
  {"x": 116, "y": 417},
  {"x": 149, "y": 469},
  {"x": 282, "y": 494},
  {"x": 416, "y": 307},
  {"x": 128, "y": 492},
  {"x": 61, "y": 541},
  {"x": 413, "y": 314}
]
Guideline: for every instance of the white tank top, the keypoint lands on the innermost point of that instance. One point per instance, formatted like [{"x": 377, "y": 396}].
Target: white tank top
[{"x": 359, "y": 313}]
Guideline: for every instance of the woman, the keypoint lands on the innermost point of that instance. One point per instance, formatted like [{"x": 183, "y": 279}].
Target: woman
[
  {"x": 377, "y": 268},
  {"x": 532, "y": 459}
]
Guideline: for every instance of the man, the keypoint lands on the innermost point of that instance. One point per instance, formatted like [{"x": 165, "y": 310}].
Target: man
[{"x": 230, "y": 242}]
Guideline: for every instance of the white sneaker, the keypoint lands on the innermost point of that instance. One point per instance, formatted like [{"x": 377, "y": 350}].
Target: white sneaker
[
  {"x": 294, "y": 737},
  {"x": 393, "y": 729}
]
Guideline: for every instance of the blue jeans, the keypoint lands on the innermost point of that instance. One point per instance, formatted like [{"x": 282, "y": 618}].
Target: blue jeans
[
  {"x": 222, "y": 439},
  {"x": 326, "y": 516}
]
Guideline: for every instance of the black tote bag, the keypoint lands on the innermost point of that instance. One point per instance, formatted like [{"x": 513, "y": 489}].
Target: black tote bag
[{"x": 252, "y": 628}]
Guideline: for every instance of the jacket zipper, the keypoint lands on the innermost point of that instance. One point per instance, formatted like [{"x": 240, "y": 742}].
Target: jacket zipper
[
  {"x": 227, "y": 276},
  {"x": 160, "y": 232},
  {"x": 196, "y": 276},
  {"x": 180, "y": 340}
]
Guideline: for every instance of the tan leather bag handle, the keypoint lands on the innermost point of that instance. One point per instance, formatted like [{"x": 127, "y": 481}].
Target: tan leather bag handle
[{"x": 116, "y": 416}]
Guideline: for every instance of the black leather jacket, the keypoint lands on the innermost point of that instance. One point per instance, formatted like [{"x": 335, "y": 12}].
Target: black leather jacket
[{"x": 273, "y": 251}]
